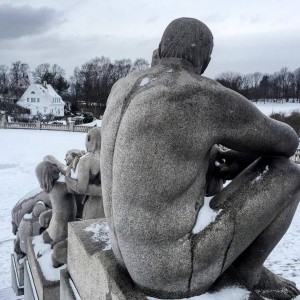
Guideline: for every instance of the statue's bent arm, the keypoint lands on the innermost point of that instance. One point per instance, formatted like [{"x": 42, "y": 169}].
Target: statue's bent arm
[{"x": 246, "y": 129}]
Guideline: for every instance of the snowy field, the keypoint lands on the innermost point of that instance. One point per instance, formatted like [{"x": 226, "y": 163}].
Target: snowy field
[
  {"x": 22, "y": 150},
  {"x": 272, "y": 107}
]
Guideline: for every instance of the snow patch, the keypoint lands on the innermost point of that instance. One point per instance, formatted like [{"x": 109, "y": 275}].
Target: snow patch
[
  {"x": 61, "y": 178},
  {"x": 261, "y": 175},
  {"x": 206, "y": 215},
  {"x": 43, "y": 254},
  {"x": 100, "y": 232},
  {"x": 145, "y": 81},
  {"x": 170, "y": 71},
  {"x": 74, "y": 174},
  {"x": 28, "y": 216},
  {"x": 232, "y": 293}
]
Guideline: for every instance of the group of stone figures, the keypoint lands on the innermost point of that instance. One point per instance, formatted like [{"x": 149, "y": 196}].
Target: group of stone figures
[
  {"x": 160, "y": 159},
  {"x": 69, "y": 192}
]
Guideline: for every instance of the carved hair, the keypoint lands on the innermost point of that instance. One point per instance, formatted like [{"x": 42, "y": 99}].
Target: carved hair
[
  {"x": 189, "y": 39},
  {"x": 47, "y": 174}
]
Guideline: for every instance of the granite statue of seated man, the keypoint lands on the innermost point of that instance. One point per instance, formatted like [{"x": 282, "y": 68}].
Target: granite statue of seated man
[{"x": 158, "y": 132}]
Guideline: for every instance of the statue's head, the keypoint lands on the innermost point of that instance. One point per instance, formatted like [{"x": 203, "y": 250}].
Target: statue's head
[
  {"x": 71, "y": 154},
  {"x": 188, "y": 39},
  {"x": 47, "y": 174},
  {"x": 93, "y": 140},
  {"x": 155, "y": 58}
]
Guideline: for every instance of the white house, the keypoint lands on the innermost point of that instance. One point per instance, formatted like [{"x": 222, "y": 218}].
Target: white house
[{"x": 42, "y": 98}]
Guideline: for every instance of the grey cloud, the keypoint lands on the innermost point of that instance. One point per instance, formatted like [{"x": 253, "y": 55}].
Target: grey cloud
[
  {"x": 151, "y": 20},
  {"x": 263, "y": 52},
  {"x": 18, "y": 21}
]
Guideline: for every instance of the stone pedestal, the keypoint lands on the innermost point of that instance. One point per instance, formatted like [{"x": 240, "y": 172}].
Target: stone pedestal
[
  {"x": 41, "y": 279},
  {"x": 68, "y": 290},
  {"x": 92, "y": 266},
  {"x": 17, "y": 275}
]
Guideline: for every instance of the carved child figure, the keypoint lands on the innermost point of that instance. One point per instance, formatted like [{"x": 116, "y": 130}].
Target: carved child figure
[
  {"x": 63, "y": 209},
  {"x": 86, "y": 179}
]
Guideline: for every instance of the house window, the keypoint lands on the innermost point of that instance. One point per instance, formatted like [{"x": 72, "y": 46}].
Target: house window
[
  {"x": 45, "y": 110},
  {"x": 37, "y": 99},
  {"x": 27, "y": 99},
  {"x": 58, "y": 111},
  {"x": 32, "y": 92}
]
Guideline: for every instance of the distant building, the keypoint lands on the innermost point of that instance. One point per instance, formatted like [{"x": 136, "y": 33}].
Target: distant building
[{"x": 42, "y": 98}]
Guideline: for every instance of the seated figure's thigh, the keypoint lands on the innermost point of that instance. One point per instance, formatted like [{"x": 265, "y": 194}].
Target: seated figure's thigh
[{"x": 249, "y": 204}]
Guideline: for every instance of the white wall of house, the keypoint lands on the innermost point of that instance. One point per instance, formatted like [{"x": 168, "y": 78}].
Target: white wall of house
[{"x": 42, "y": 99}]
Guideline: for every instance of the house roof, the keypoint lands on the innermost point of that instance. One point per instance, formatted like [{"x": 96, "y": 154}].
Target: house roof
[{"x": 48, "y": 90}]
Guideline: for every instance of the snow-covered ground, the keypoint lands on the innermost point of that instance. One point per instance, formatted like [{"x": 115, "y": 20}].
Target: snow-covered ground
[
  {"x": 22, "y": 150},
  {"x": 273, "y": 107}
]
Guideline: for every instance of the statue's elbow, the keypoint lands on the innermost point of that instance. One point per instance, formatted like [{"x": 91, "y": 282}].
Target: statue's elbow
[{"x": 291, "y": 143}]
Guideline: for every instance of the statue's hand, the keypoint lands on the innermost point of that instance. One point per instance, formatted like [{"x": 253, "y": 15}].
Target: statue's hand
[
  {"x": 45, "y": 218},
  {"x": 214, "y": 183},
  {"x": 233, "y": 163}
]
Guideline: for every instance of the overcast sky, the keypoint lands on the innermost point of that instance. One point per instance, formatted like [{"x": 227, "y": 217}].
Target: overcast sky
[{"x": 249, "y": 36}]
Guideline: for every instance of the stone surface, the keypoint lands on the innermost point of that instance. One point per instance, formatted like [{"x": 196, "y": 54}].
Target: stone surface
[
  {"x": 87, "y": 179},
  {"x": 89, "y": 257},
  {"x": 158, "y": 130},
  {"x": 63, "y": 205},
  {"x": 25, "y": 219},
  {"x": 26, "y": 205},
  {"x": 17, "y": 275},
  {"x": 29, "y": 287},
  {"x": 66, "y": 290},
  {"x": 45, "y": 289}
]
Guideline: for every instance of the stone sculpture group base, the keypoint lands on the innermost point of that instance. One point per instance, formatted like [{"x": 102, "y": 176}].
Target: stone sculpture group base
[
  {"x": 93, "y": 272},
  {"x": 92, "y": 265},
  {"x": 41, "y": 281}
]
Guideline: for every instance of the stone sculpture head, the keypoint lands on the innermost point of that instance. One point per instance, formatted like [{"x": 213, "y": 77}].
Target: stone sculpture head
[
  {"x": 155, "y": 58},
  {"x": 72, "y": 154},
  {"x": 93, "y": 140},
  {"x": 189, "y": 39},
  {"x": 47, "y": 174}
]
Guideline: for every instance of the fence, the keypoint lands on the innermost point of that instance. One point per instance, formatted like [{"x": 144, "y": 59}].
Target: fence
[{"x": 39, "y": 126}]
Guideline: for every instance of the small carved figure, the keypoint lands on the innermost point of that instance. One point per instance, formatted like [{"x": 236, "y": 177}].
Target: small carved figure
[
  {"x": 63, "y": 205},
  {"x": 25, "y": 218},
  {"x": 86, "y": 179}
]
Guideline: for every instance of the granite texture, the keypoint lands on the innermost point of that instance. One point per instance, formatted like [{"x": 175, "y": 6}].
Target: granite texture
[
  {"x": 17, "y": 275},
  {"x": 88, "y": 181},
  {"x": 66, "y": 291},
  {"x": 93, "y": 267},
  {"x": 158, "y": 131},
  {"x": 46, "y": 289},
  {"x": 63, "y": 207}
]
